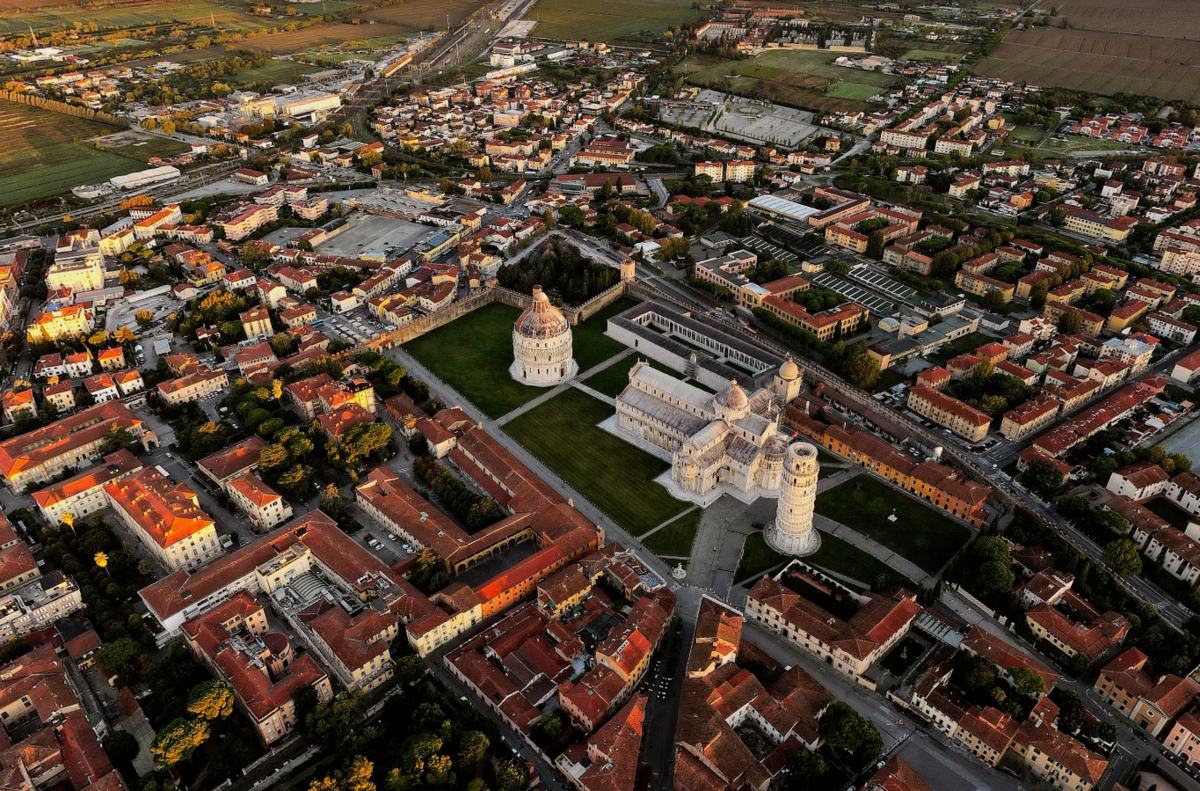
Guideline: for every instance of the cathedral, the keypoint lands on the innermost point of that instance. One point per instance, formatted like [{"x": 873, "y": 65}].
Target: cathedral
[{"x": 729, "y": 440}]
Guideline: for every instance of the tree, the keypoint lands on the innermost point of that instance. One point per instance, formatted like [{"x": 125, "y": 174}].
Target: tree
[
  {"x": 1043, "y": 476},
  {"x": 334, "y": 723},
  {"x": 123, "y": 335},
  {"x": 472, "y": 747},
  {"x": 993, "y": 300},
  {"x": 410, "y": 669},
  {"x": 365, "y": 441},
  {"x": 122, "y": 747},
  {"x": 875, "y": 245},
  {"x": 978, "y": 673},
  {"x": 1071, "y": 711},
  {"x": 273, "y": 456},
  {"x": 861, "y": 370},
  {"x": 1122, "y": 556},
  {"x": 1078, "y": 664},
  {"x": 117, "y": 438},
  {"x": 511, "y": 776},
  {"x": 1026, "y": 681},
  {"x": 178, "y": 741},
  {"x": 210, "y": 700},
  {"x": 355, "y": 777},
  {"x": 1070, "y": 322},
  {"x": 806, "y": 768},
  {"x": 847, "y": 730},
  {"x": 144, "y": 318},
  {"x": 119, "y": 655},
  {"x": 1103, "y": 467}
]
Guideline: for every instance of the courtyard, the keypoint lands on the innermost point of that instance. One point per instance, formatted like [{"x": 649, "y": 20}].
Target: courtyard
[
  {"x": 614, "y": 475},
  {"x": 919, "y": 533}
]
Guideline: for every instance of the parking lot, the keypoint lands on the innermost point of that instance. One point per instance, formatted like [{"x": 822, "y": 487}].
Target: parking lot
[
  {"x": 872, "y": 302},
  {"x": 377, "y": 235},
  {"x": 353, "y": 327}
]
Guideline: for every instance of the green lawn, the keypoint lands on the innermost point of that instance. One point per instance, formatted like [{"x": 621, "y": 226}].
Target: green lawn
[
  {"x": 967, "y": 343},
  {"x": 275, "y": 72},
  {"x": 617, "y": 477},
  {"x": 613, "y": 379},
  {"x": 757, "y": 557},
  {"x": 145, "y": 147},
  {"x": 919, "y": 533},
  {"x": 853, "y": 90},
  {"x": 472, "y": 354},
  {"x": 933, "y": 55},
  {"x": 835, "y": 555},
  {"x": 676, "y": 539},
  {"x": 588, "y": 341}
]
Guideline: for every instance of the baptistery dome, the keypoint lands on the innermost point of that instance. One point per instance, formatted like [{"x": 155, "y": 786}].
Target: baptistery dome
[{"x": 542, "y": 353}]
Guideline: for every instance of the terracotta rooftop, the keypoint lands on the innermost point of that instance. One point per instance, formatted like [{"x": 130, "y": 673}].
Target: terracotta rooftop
[{"x": 167, "y": 512}]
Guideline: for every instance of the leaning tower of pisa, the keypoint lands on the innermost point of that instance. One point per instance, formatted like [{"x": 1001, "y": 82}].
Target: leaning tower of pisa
[{"x": 792, "y": 531}]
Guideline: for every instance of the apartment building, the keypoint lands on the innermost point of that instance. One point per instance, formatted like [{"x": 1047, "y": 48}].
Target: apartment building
[
  {"x": 71, "y": 442},
  {"x": 256, "y": 323},
  {"x": 193, "y": 386},
  {"x": 67, "y": 322},
  {"x": 84, "y": 493},
  {"x": 966, "y": 421},
  {"x": 166, "y": 517},
  {"x": 265, "y": 507},
  {"x": 248, "y": 220},
  {"x": 1151, "y": 702},
  {"x": 1024, "y": 419},
  {"x": 235, "y": 640}
]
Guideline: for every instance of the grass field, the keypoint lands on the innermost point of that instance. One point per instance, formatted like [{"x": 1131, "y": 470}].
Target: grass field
[
  {"x": 609, "y": 21},
  {"x": 919, "y": 534},
  {"x": 140, "y": 146},
  {"x": 614, "y": 475},
  {"x": 932, "y": 55},
  {"x": 275, "y": 72},
  {"x": 40, "y": 155},
  {"x": 1053, "y": 148},
  {"x": 806, "y": 78},
  {"x": 836, "y": 555},
  {"x": 588, "y": 341},
  {"x": 676, "y": 539},
  {"x": 472, "y": 354},
  {"x": 227, "y": 17},
  {"x": 852, "y": 90},
  {"x": 966, "y": 343}
]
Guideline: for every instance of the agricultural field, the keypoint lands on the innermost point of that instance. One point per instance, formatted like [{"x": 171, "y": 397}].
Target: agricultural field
[
  {"x": 797, "y": 77},
  {"x": 614, "y": 475},
  {"x": 610, "y": 21},
  {"x": 139, "y": 145},
  {"x": 415, "y": 15},
  {"x": 41, "y": 156},
  {"x": 1110, "y": 47},
  {"x": 933, "y": 55},
  {"x": 19, "y": 18}
]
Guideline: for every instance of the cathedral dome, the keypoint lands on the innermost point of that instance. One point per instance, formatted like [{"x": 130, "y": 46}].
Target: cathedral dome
[
  {"x": 541, "y": 319},
  {"x": 734, "y": 397},
  {"x": 789, "y": 371}
]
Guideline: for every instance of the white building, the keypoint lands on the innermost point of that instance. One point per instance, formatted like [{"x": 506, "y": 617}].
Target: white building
[
  {"x": 542, "y": 345},
  {"x": 792, "y": 530}
]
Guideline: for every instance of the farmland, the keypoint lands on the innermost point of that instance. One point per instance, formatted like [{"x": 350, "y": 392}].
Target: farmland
[
  {"x": 802, "y": 78},
  {"x": 1110, "y": 47},
  {"x": 610, "y": 21},
  {"x": 414, "y": 15},
  {"x": 229, "y": 18},
  {"x": 40, "y": 155}
]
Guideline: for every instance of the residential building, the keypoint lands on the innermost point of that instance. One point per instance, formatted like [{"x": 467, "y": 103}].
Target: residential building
[
  {"x": 1138, "y": 481},
  {"x": 880, "y": 621},
  {"x": 966, "y": 421},
  {"x": 71, "y": 442},
  {"x": 1028, "y": 417},
  {"x": 235, "y": 641},
  {"x": 193, "y": 386},
  {"x": 166, "y": 517},
  {"x": 265, "y": 507},
  {"x": 66, "y": 322},
  {"x": 1150, "y": 702},
  {"x": 84, "y": 493},
  {"x": 256, "y": 323}
]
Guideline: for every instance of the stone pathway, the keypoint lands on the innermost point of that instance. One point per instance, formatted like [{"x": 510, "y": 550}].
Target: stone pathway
[
  {"x": 656, "y": 528},
  {"x": 575, "y": 381}
]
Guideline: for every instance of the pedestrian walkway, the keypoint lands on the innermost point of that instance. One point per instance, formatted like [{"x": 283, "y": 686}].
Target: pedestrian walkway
[
  {"x": 656, "y": 528},
  {"x": 546, "y": 396},
  {"x": 874, "y": 548}
]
